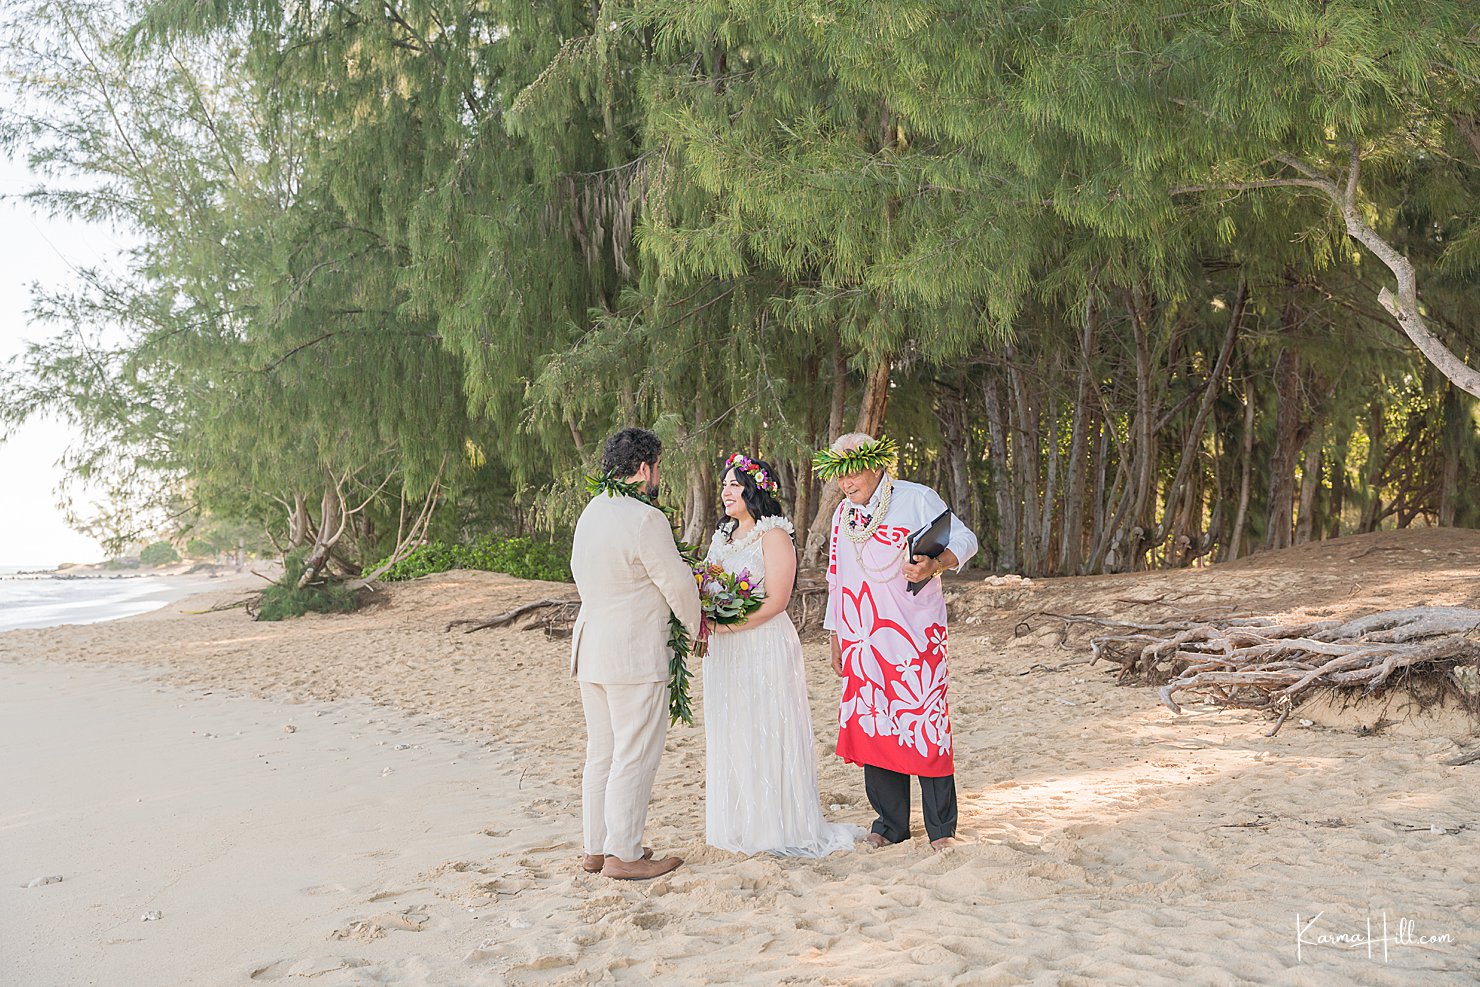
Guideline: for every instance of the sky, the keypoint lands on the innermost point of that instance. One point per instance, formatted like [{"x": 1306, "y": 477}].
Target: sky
[{"x": 37, "y": 248}]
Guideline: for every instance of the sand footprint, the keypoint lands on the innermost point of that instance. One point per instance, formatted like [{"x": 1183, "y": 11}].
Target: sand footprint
[
  {"x": 389, "y": 894},
  {"x": 312, "y": 967},
  {"x": 376, "y": 926},
  {"x": 323, "y": 889}
]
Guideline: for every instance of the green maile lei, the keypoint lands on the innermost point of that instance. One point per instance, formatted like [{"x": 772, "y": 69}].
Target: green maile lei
[
  {"x": 680, "y": 644},
  {"x": 871, "y": 456}
]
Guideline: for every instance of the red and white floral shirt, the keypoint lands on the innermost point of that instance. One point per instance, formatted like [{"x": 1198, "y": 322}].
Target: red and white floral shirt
[{"x": 893, "y": 713}]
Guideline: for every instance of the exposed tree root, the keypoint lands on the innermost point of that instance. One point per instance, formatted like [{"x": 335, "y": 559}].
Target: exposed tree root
[{"x": 1258, "y": 663}]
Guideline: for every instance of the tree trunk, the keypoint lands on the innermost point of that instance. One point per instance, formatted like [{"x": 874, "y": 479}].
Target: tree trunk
[
  {"x": 1278, "y": 533},
  {"x": 997, "y": 424},
  {"x": 875, "y": 403},
  {"x": 1099, "y": 497},
  {"x": 1457, "y": 426},
  {"x": 1050, "y": 490},
  {"x": 1023, "y": 414},
  {"x": 300, "y": 525},
  {"x": 871, "y": 411},
  {"x": 1310, "y": 485},
  {"x": 1246, "y": 476},
  {"x": 1135, "y": 526},
  {"x": 701, "y": 503},
  {"x": 950, "y": 411},
  {"x": 577, "y": 437},
  {"x": 331, "y": 526},
  {"x": 801, "y": 506},
  {"x": 1071, "y": 538},
  {"x": 1192, "y": 445},
  {"x": 801, "y": 513},
  {"x": 1376, "y": 443},
  {"x": 840, "y": 390},
  {"x": 1337, "y": 502},
  {"x": 1186, "y": 532}
]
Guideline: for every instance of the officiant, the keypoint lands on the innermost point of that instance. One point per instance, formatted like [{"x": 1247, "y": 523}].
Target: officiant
[{"x": 889, "y": 643}]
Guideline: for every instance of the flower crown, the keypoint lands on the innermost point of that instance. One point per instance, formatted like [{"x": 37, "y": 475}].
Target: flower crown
[
  {"x": 876, "y": 455},
  {"x": 757, "y": 472}
]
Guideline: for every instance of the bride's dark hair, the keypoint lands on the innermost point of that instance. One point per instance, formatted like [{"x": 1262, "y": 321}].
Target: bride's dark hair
[{"x": 758, "y": 502}]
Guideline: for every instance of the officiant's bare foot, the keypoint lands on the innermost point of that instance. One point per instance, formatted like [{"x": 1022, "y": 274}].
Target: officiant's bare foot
[
  {"x": 639, "y": 870},
  {"x": 876, "y": 841},
  {"x": 944, "y": 843},
  {"x": 592, "y": 863}
]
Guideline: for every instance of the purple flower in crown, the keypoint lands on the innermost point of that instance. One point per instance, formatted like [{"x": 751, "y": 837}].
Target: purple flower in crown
[{"x": 745, "y": 464}]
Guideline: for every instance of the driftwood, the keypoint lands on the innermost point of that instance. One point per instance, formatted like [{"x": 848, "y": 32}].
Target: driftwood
[
  {"x": 808, "y": 604},
  {"x": 555, "y": 617},
  {"x": 1258, "y": 663}
]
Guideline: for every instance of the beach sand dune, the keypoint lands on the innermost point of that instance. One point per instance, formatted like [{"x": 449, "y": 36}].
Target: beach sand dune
[{"x": 419, "y": 824}]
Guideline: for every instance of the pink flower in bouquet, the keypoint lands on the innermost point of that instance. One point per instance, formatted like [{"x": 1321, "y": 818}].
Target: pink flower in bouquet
[{"x": 725, "y": 599}]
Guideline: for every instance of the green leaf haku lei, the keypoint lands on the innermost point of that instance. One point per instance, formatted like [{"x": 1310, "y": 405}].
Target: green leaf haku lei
[
  {"x": 679, "y": 642},
  {"x": 876, "y": 455}
]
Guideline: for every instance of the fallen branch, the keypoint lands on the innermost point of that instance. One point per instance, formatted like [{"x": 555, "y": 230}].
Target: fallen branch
[
  {"x": 219, "y": 607},
  {"x": 805, "y": 608},
  {"x": 505, "y": 619}
]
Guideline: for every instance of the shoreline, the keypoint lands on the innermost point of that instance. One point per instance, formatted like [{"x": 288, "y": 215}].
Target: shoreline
[
  {"x": 53, "y": 601},
  {"x": 100, "y": 570}
]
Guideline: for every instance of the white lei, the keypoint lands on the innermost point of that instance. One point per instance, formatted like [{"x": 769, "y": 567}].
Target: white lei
[{"x": 722, "y": 550}]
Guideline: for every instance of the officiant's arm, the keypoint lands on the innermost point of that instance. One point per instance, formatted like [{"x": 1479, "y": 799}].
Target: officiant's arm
[
  {"x": 962, "y": 544},
  {"x": 781, "y": 572},
  {"x": 668, "y": 570}
]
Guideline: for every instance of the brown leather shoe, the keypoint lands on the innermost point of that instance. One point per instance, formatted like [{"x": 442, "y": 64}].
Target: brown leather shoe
[
  {"x": 639, "y": 870},
  {"x": 591, "y": 863}
]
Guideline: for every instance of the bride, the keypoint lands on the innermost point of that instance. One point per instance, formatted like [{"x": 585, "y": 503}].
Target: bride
[{"x": 761, "y": 766}]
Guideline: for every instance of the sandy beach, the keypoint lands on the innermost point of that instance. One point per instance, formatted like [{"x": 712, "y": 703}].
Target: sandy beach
[{"x": 370, "y": 799}]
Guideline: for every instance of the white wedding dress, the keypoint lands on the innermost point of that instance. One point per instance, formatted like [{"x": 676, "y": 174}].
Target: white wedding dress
[{"x": 761, "y": 765}]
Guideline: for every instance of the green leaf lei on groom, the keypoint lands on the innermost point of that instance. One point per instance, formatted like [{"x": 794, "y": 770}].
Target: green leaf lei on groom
[{"x": 679, "y": 708}]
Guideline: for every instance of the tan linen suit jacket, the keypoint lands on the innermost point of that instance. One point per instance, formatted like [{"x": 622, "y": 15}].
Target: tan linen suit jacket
[{"x": 629, "y": 575}]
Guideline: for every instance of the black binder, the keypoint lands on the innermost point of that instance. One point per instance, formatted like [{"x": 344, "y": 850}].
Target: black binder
[{"x": 929, "y": 541}]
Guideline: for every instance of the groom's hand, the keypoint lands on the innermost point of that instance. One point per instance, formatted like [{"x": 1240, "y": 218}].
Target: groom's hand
[{"x": 837, "y": 656}]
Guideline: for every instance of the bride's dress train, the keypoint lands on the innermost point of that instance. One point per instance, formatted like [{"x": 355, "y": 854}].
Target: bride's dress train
[{"x": 761, "y": 762}]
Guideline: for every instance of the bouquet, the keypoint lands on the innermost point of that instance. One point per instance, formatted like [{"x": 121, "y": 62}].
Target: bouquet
[{"x": 725, "y": 597}]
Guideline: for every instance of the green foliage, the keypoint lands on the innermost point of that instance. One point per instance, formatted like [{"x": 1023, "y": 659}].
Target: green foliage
[
  {"x": 680, "y": 649},
  {"x": 199, "y": 548},
  {"x": 159, "y": 553},
  {"x": 525, "y": 558},
  {"x": 394, "y": 255},
  {"x": 283, "y": 599},
  {"x": 122, "y": 562}
]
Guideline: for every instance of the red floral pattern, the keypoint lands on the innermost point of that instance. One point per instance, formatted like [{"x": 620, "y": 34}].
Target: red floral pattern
[{"x": 893, "y": 712}]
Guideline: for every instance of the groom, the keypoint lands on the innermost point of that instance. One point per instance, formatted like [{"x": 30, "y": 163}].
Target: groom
[{"x": 629, "y": 575}]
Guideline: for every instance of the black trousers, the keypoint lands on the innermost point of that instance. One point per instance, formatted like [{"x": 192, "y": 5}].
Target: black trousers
[{"x": 889, "y": 794}]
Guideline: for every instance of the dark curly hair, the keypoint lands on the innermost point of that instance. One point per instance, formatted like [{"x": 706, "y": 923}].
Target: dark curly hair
[
  {"x": 626, "y": 451},
  {"x": 758, "y": 502}
]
